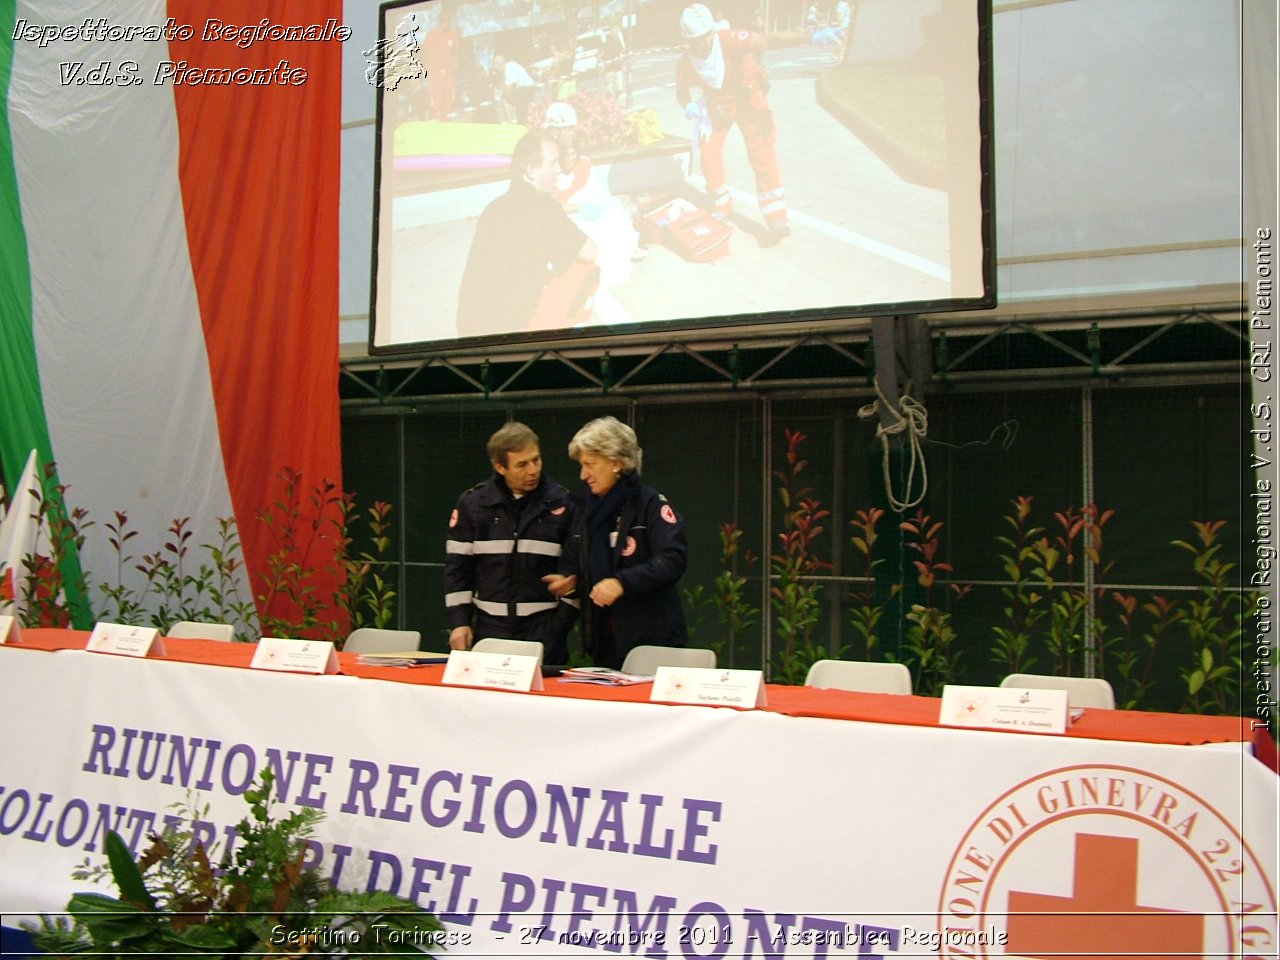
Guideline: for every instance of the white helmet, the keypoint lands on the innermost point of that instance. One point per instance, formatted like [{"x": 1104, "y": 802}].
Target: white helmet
[
  {"x": 559, "y": 115},
  {"x": 696, "y": 21}
]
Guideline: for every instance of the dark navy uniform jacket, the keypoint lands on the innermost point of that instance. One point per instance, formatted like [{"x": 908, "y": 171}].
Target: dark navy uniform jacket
[
  {"x": 497, "y": 551},
  {"x": 649, "y": 557}
]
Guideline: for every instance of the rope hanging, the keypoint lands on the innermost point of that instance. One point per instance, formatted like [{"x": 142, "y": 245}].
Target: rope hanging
[{"x": 913, "y": 419}]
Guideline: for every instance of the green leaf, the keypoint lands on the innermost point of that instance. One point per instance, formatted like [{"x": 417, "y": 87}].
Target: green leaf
[
  {"x": 202, "y": 936},
  {"x": 126, "y": 873},
  {"x": 109, "y": 920}
]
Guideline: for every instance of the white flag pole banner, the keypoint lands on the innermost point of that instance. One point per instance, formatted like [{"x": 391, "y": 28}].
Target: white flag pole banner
[
  {"x": 20, "y": 534},
  {"x": 556, "y": 826}
]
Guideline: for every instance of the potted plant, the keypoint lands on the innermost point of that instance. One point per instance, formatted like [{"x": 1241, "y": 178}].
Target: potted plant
[{"x": 259, "y": 901}]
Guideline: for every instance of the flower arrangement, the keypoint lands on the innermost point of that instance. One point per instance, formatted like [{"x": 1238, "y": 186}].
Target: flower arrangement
[
  {"x": 179, "y": 898},
  {"x": 602, "y": 123}
]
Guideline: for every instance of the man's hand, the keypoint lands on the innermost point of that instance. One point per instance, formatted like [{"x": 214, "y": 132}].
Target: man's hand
[
  {"x": 560, "y": 586},
  {"x": 460, "y": 638},
  {"x": 605, "y": 592}
]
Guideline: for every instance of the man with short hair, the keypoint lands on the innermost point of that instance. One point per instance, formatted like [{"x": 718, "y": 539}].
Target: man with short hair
[
  {"x": 504, "y": 536},
  {"x": 524, "y": 245}
]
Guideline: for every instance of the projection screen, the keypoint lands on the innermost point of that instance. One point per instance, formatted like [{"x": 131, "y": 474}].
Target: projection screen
[{"x": 741, "y": 162}]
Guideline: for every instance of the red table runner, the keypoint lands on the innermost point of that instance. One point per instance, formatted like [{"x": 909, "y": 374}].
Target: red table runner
[{"x": 796, "y": 701}]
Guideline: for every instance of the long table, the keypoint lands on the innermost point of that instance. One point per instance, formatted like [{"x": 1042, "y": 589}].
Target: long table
[{"x": 583, "y": 820}]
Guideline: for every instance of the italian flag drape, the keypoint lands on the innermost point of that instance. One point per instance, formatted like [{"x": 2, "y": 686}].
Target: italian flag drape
[{"x": 169, "y": 269}]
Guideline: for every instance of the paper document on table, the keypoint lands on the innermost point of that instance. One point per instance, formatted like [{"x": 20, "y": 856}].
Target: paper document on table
[
  {"x": 403, "y": 658},
  {"x": 603, "y": 676}
]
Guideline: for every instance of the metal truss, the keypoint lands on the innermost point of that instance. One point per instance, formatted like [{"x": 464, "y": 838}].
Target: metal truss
[{"x": 969, "y": 352}]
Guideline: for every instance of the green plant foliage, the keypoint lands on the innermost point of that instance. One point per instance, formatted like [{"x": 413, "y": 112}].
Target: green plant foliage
[
  {"x": 696, "y": 602},
  {"x": 210, "y": 594},
  {"x": 735, "y": 612},
  {"x": 1135, "y": 656},
  {"x": 180, "y": 581},
  {"x": 1011, "y": 649},
  {"x": 1057, "y": 615},
  {"x": 1215, "y": 622},
  {"x": 293, "y": 600},
  {"x": 50, "y": 600},
  {"x": 930, "y": 638},
  {"x": 260, "y": 901},
  {"x": 866, "y": 612},
  {"x": 795, "y": 595}
]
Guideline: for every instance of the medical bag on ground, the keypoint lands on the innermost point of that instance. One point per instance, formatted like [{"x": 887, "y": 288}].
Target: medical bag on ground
[{"x": 687, "y": 229}]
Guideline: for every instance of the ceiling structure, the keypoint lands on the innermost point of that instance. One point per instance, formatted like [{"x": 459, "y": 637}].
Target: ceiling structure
[{"x": 959, "y": 352}]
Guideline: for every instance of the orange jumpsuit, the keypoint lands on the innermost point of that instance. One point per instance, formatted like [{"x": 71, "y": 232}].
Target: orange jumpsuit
[{"x": 742, "y": 99}]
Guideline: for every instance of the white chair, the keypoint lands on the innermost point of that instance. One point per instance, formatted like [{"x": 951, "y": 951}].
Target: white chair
[
  {"x": 374, "y": 640},
  {"x": 200, "y": 630},
  {"x": 522, "y": 648},
  {"x": 1081, "y": 691},
  {"x": 645, "y": 659},
  {"x": 864, "y": 676}
]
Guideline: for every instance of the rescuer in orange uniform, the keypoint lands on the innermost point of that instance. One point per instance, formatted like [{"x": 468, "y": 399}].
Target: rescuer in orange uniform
[
  {"x": 440, "y": 51},
  {"x": 726, "y": 65}
]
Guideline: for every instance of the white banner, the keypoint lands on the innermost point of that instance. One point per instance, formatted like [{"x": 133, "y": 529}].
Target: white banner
[{"x": 555, "y": 826}]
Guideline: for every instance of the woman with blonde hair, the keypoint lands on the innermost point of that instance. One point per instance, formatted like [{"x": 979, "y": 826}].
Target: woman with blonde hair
[{"x": 626, "y": 552}]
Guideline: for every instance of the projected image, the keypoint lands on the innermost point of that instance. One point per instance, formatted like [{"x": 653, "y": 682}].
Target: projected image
[{"x": 580, "y": 167}]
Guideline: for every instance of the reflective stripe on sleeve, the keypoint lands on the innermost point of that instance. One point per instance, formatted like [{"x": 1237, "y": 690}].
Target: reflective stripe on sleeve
[
  {"x": 495, "y": 609},
  {"x": 544, "y": 548}
]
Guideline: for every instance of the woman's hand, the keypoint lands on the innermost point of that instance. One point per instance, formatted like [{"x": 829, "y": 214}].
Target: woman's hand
[
  {"x": 606, "y": 592},
  {"x": 560, "y": 586}
]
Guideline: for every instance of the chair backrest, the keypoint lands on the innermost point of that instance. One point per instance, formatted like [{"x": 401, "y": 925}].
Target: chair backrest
[
  {"x": 199, "y": 630},
  {"x": 1081, "y": 691},
  {"x": 645, "y": 659},
  {"x": 865, "y": 676},
  {"x": 374, "y": 640},
  {"x": 522, "y": 648}
]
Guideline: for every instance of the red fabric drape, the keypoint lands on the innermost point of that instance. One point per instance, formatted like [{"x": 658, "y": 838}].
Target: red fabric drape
[{"x": 259, "y": 169}]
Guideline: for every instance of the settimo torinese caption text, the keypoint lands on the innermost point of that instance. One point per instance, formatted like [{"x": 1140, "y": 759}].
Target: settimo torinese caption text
[{"x": 127, "y": 72}]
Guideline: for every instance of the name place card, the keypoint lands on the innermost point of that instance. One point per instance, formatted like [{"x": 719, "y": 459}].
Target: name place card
[
  {"x": 500, "y": 671},
  {"x": 125, "y": 640},
  {"x": 10, "y": 632},
  {"x": 1004, "y": 708},
  {"x": 709, "y": 686},
  {"x": 295, "y": 656}
]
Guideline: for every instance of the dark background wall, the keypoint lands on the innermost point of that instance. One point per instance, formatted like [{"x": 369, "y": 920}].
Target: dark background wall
[{"x": 1159, "y": 456}]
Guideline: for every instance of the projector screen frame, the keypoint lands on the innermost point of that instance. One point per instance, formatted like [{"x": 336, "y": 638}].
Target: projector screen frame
[{"x": 714, "y": 325}]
